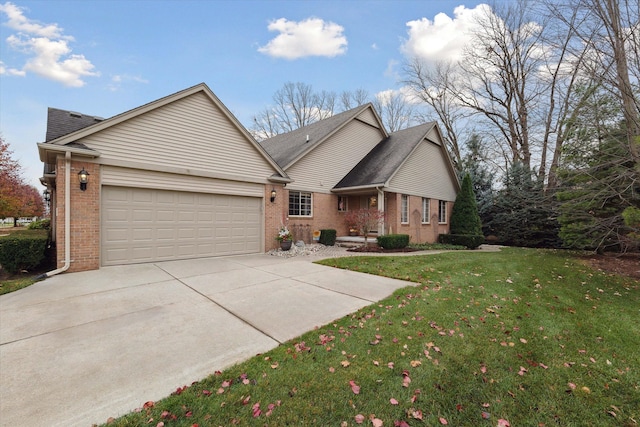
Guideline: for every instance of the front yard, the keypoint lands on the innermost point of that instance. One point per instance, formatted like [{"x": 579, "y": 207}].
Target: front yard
[{"x": 521, "y": 337}]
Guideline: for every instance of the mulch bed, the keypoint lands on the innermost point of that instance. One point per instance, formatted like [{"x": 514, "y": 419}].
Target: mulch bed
[{"x": 622, "y": 264}]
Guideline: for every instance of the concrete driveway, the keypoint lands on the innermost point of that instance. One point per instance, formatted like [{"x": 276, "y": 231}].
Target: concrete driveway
[{"x": 78, "y": 348}]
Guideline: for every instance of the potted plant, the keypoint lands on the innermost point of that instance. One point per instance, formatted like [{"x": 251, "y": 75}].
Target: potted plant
[{"x": 284, "y": 237}]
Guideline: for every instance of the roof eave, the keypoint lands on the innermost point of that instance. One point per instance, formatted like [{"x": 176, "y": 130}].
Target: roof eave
[
  {"x": 48, "y": 152},
  {"x": 279, "y": 179},
  {"x": 358, "y": 188}
]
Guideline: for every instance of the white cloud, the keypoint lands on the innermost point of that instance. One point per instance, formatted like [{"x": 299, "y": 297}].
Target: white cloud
[
  {"x": 10, "y": 71},
  {"x": 443, "y": 38},
  {"x": 311, "y": 37},
  {"x": 119, "y": 79},
  {"x": 17, "y": 21},
  {"x": 48, "y": 50}
]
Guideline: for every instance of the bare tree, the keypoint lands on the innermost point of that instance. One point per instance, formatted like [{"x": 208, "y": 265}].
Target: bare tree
[
  {"x": 295, "y": 105},
  {"x": 433, "y": 86},
  {"x": 349, "y": 99},
  {"x": 395, "y": 111},
  {"x": 616, "y": 45}
]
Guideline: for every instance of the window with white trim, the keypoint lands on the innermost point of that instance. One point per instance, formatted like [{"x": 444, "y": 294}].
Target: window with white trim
[
  {"x": 404, "y": 209},
  {"x": 425, "y": 210},
  {"x": 300, "y": 203},
  {"x": 442, "y": 212}
]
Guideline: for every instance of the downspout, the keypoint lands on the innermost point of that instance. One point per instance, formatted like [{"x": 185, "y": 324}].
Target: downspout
[{"x": 67, "y": 221}]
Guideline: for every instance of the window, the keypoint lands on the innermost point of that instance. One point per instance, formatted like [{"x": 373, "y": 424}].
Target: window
[
  {"x": 342, "y": 204},
  {"x": 442, "y": 212},
  {"x": 404, "y": 209},
  {"x": 425, "y": 210},
  {"x": 299, "y": 203}
]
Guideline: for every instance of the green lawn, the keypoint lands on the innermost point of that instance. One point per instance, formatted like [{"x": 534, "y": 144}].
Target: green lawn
[{"x": 522, "y": 337}]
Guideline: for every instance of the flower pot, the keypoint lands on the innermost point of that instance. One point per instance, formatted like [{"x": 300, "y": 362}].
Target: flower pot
[{"x": 285, "y": 245}]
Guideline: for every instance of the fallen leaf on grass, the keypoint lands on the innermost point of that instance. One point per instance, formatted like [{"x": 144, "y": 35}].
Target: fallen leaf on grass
[
  {"x": 256, "y": 410},
  {"x": 376, "y": 422},
  {"x": 417, "y": 414},
  {"x": 444, "y": 421},
  {"x": 359, "y": 418},
  {"x": 503, "y": 423},
  {"x": 354, "y": 387},
  {"x": 393, "y": 401}
]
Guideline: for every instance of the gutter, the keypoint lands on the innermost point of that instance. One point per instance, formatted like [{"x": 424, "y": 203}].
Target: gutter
[{"x": 67, "y": 221}]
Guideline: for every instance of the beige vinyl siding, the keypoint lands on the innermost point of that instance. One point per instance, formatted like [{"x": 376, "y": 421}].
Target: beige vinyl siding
[
  {"x": 425, "y": 174},
  {"x": 125, "y": 177},
  {"x": 368, "y": 117},
  {"x": 433, "y": 136},
  {"x": 326, "y": 165},
  {"x": 190, "y": 133}
]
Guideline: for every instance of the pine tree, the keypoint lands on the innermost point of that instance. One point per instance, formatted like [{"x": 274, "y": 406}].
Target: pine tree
[
  {"x": 523, "y": 215},
  {"x": 464, "y": 216}
]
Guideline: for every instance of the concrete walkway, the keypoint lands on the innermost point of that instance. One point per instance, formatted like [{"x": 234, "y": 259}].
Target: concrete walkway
[{"x": 78, "y": 348}]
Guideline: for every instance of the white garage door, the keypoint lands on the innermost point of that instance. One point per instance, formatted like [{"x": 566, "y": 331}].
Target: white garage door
[{"x": 144, "y": 225}]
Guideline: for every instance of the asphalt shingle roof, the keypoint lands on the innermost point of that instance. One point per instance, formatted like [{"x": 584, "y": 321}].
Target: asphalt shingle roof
[
  {"x": 287, "y": 147},
  {"x": 379, "y": 165},
  {"x": 63, "y": 122}
]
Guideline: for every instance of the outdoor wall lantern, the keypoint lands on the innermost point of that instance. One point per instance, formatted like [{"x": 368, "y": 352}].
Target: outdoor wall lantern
[
  {"x": 83, "y": 176},
  {"x": 47, "y": 195},
  {"x": 273, "y": 195}
]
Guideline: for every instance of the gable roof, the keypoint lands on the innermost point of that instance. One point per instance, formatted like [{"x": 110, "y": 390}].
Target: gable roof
[
  {"x": 66, "y": 130},
  {"x": 381, "y": 164},
  {"x": 288, "y": 148}
]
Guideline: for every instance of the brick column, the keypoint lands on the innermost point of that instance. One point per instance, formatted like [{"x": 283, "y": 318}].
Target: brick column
[
  {"x": 274, "y": 214},
  {"x": 85, "y": 216}
]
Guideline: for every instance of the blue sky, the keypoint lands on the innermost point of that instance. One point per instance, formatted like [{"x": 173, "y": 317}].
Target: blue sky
[{"x": 106, "y": 57}]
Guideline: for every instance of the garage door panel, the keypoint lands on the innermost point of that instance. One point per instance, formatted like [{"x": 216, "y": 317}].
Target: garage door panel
[
  {"x": 145, "y": 225},
  {"x": 141, "y": 196}
]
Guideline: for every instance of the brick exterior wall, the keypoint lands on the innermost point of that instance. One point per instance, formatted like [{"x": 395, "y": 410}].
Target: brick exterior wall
[
  {"x": 417, "y": 231},
  {"x": 325, "y": 216},
  {"x": 274, "y": 214},
  {"x": 85, "y": 217}
]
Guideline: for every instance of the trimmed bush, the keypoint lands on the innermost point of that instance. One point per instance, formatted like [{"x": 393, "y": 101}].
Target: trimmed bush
[
  {"x": 470, "y": 241},
  {"x": 23, "y": 250},
  {"x": 328, "y": 237},
  {"x": 41, "y": 224},
  {"x": 393, "y": 241}
]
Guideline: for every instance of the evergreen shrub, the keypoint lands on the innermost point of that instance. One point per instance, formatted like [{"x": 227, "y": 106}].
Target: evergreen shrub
[
  {"x": 22, "y": 250},
  {"x": 393, "y": 241},
  {"x": 328, "y": 237},
  {"x": 469, "y": 240}
]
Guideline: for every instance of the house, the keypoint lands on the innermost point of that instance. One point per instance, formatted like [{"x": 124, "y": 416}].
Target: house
[
  {"x": 181, "y": 178},
  {"x": 349, "y": 161}
]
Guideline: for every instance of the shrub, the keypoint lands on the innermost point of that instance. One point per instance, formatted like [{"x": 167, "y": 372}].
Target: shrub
[
  {"x": 393, "y": 241},
  {"x": 22, "y": 250},
  {"x": 41, "y": 224},
  {"x": 328, "y": 237},
  {"x": 470, "y": 241}
]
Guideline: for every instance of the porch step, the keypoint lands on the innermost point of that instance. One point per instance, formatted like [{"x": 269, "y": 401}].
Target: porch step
[{"x": 354, "y": 241}]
